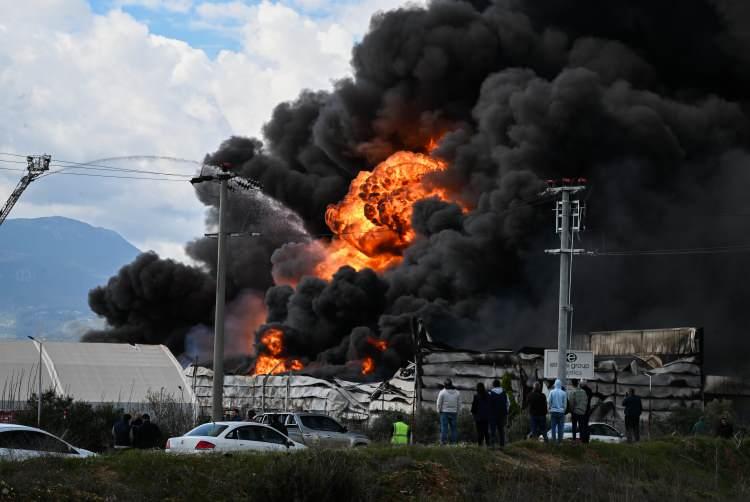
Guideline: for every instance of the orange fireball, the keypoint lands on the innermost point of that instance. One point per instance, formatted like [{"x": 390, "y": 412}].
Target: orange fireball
[
  {"x": 273, "y": 362},
  {"x": 368, "y": 365},
  {"x": 381, "y": 345},
  {"x": 372, "y": 224}
]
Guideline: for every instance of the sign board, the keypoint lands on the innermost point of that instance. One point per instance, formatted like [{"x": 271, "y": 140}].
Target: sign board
[{"x": 580, "y": 364}]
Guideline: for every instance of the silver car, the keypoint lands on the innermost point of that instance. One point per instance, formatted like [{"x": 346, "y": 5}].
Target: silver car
[{"x": 316, "y": 429}]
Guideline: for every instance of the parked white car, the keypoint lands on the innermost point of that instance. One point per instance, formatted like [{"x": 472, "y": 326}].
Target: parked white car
[
  {"x": 19, "y": 442},
  {"x": 599, "y": 431},
  {"x": 227, "y": 437}
]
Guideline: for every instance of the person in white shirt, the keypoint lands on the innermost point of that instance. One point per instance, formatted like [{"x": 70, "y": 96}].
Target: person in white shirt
[{"x": 448, "y": 406}]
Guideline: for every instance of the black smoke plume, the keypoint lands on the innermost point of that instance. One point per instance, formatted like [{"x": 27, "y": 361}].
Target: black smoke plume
[{"x": 647, "y": 100}]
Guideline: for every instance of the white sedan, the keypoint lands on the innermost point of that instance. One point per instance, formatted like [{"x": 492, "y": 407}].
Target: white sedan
[
  {"x": 227, "y": 437},
  {"x": 19, "y": 442},
  {"x": 598, "y": 431}
]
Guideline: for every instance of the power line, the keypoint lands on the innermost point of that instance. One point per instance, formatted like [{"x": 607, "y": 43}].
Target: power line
[
  {"x": 741, "y": 248},
  {"x": 99, "y": 167},
  {"x": 13, "y": 162},
  {"x": 95, "y": 166},
  {"x": 111, "y": 176}
]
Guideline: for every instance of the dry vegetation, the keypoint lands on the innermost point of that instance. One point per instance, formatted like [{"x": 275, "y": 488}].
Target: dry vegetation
[{"x": 677, "y": 469}]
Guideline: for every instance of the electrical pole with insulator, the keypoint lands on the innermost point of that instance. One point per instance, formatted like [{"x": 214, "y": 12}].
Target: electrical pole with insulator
[
  {"x": 217, "y": 397},
  {"x": 568, "y": 222}
]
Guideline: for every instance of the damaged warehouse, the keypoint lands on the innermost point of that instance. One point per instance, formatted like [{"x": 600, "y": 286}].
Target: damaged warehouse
[{"x": 664, "y": 366}]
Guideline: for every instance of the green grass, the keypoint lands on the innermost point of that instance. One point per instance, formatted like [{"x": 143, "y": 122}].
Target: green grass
[{"x": 675, "y": 469}]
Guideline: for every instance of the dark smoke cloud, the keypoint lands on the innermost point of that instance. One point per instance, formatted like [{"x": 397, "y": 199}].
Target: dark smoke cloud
[
  {"x": 152, "y": 301},
  {"x": 647, "y": 100}
]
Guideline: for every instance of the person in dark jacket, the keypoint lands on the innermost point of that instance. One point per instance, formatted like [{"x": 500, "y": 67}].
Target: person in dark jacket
[
  {"x": 499, "y": 407},
  {"x": 585, "y": 432},
  {"x": 135, "y": 427},
  {"x": 724, "y": 429},
  {"x": 480, "y": 409},
  {"x": 537, "y": 412},
  {"x": 121, "y": 432},
  {"x": 148, "y": 434},
  {"x": 633, "y": 409},
  {"x": 276, "y": 422}
]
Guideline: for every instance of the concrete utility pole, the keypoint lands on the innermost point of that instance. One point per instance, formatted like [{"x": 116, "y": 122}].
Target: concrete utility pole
[
  {"x": 217, "y": 402},
  {"x": 217, "y": 405},
  {"x": 568, "y": 222}
]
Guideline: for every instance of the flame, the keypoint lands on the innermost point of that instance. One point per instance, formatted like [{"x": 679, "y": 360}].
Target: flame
[
  {"x": 368, "y": 365},
  {"x": 372, "y": 223},
  {"x": 431, "y": 145},
  {"x": 381, "y": 345},
  {"x": 273, "y": 362}
]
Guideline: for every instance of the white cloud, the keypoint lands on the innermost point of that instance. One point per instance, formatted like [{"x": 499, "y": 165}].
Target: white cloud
[
  {"x": 83, "y": 86},
  {"x": 224, "y": 11},
  {"x": 168, "y": 5}
]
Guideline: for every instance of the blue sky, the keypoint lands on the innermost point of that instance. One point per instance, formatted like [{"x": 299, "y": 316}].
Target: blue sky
[{"x": 178, "y": 19}]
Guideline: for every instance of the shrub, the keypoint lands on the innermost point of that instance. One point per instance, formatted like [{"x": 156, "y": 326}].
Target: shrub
[
  {"x": 172, "y": 416},
  {"x": 76, "y": 422}
]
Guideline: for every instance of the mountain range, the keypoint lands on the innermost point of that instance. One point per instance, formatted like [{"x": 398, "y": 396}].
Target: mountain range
[{"x": 47, "y": 267}]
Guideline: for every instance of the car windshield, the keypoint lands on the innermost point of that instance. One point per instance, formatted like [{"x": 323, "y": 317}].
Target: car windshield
[{"x": 211, "y": 430}]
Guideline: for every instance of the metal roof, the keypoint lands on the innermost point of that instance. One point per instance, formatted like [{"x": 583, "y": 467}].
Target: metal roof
[{"x": 95, "y": 372}]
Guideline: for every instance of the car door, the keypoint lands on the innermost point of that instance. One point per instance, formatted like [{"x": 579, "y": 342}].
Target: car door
[
  {"x": 612, "y": 435},
  {"x": 332, "y": 433},
  {"x": 272, "y": 439},
  {"x": 245, "y": 438},
  {"x": 293, "y": 429},
  {"x": 311, "y": 433},
  {"x": 14, "y": 445},
  {"x": 596, "y": 433}
]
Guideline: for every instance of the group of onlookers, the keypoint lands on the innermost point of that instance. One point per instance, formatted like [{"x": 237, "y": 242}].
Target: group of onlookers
[
  {"x": 490, "y": 409},
  {"x": 138, "y": 432}
]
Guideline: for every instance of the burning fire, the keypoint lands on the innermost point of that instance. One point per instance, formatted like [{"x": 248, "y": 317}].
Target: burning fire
[
  {"x": 373, "y": 222},
  {"x": 368, "y": 365},
  {"x": 381, "y": 345},
  {"x": 273, "y": 362}
]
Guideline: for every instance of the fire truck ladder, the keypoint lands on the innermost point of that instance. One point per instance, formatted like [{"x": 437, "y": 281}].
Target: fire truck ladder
[{"x": 36, "y": 165}]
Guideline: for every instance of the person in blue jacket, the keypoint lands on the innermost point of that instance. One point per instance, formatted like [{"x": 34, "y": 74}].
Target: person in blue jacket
[{"x": 557, "y": 402}]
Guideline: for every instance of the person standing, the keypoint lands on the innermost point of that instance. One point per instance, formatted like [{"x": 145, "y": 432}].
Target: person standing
[
  {"x": 724, "y": 429},
  {"x": 585, "y": 432},
  {"x": 633, "y": 409},
  {"x": 557, "y": 403},
  {"x": 121, "y": 432},
  {"x": 149, "y": 435},
  {"x": 401, "y": 432},
  {"x": 448, "y": 406},
  {"x": 480, "y": 409},
  {"x": 578, "y": 405},
  {"x": 537, "y": 412},
  {"x": 499, "y": 407},
  {"x": 699, "y": 428}
]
